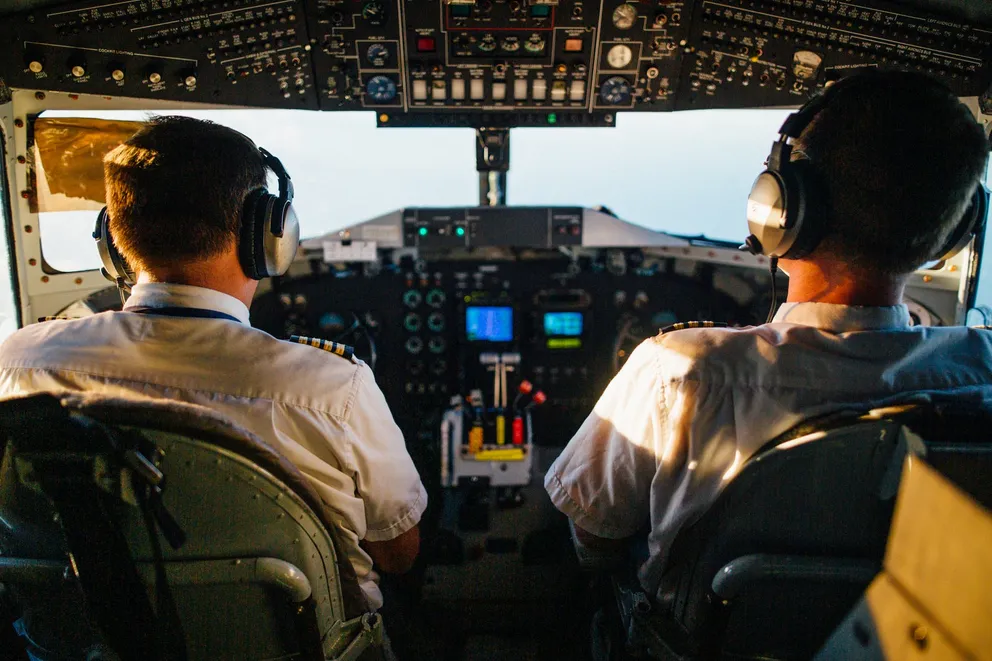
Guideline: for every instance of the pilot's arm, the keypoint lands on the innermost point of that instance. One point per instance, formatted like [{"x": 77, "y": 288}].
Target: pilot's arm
[
  {"x": 386, "y": 480},
  {"x": 602, "y": 480}
]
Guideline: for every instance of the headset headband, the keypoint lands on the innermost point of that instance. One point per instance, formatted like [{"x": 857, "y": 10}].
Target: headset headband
[
  {"x": 286, "y": 190},
  {"x": 798, "y": 122}
]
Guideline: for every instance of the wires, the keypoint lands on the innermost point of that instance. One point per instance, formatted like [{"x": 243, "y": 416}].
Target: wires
[
  {"x": 357, "y": 329},
  {"x": 623, "y": 335},
  {"x": 773, "y": 269}
]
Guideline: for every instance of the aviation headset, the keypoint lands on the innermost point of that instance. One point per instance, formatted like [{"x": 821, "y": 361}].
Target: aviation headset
[
  {"x": 786, "y": 207},
  {"x": 269, "y": 235}
]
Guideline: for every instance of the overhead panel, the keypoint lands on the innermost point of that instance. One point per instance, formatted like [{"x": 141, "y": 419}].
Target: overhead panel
[{"x": 484, "y": 62}]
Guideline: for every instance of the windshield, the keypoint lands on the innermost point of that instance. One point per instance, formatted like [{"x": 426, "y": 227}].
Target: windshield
[
  {"x": 686, "y": 173},
  {"x": 344, "y": 170},
  {"x": 683, "y": 173}
]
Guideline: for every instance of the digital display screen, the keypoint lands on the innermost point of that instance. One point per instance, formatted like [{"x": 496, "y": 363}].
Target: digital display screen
[
  {"x": 489, "y": 324},
  {"x": 563, "y": 324},
  {"x": 564, "y": 343}
]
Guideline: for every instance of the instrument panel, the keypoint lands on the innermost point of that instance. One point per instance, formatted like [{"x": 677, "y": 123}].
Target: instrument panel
[
  {"x": 484, "y": 62},
  {"x": 431, "y": 309}
]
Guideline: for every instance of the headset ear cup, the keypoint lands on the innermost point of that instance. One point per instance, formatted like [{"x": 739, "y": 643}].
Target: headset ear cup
[
  {"x": 253, "y": 226},
  {"x": 280, "y": 249},
  {"x": 806, "y": 198},
  {"x": 114, "y": 264}
]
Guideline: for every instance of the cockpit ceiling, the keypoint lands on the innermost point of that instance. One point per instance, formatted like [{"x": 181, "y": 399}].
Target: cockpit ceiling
[
  {"x": 546, "y": 63},
  {"x": 968, "y": 9}
]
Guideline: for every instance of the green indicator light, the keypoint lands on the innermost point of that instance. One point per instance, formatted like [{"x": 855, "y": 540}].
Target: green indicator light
[
  {"x": 552, "y": 118},
  {"x": 460, "y": 231},
  {"x": 423, "y": 231}
]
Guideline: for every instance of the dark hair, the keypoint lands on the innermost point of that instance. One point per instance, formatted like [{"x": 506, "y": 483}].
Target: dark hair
[
  {"x": 900, "y": 157},
  {"x": 176, "y": 188}
]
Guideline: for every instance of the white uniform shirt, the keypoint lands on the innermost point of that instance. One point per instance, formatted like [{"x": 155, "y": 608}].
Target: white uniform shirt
[
  {"x": 322, "y": 412},
  {"x": 688, "y": 407}
]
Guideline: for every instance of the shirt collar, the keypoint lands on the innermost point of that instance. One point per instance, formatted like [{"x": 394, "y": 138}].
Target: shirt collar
[
  {"x": 164, "y": 295},
  {"x": 844, "y": 318}
]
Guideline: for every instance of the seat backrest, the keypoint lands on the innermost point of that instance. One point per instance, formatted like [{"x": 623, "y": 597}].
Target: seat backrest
[
  {"x": 796, "y": 534},
  {"x": 260, "y": 564}
]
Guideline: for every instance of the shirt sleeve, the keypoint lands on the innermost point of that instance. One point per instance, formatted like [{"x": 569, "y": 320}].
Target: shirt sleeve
[
  {"x": 386, "y": 479},
  {"x": 602, "y": 480}
]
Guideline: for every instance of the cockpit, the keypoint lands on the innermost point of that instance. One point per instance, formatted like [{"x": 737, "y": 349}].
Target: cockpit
[{"x": 499, "y": 202}]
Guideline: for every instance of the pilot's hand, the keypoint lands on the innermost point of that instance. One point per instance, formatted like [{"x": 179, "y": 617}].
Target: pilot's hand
[
  {"x": 395, "y": 556},
  {"x": 595, "y": 552}
]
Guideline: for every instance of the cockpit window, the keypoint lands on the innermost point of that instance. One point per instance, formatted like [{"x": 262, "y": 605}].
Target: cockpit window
[
  {"x": 345, "y": 170},
  {"x": 683, "y": 173}
]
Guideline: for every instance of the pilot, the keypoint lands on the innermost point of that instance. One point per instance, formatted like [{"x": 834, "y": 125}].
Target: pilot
[
  {"x": 897, "y": 161},
  {"x": 180, "y": 193}
]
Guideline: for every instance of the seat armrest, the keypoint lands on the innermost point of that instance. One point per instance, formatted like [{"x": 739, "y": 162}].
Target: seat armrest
[
  {"x": 32, "y": 571},
  {"x": 735, "y": 576}
]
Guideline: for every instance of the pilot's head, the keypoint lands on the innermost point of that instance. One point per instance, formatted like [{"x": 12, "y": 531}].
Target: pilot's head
[
  {"x": 900, "y": 158},
  {"x": 175, "y": 194}
]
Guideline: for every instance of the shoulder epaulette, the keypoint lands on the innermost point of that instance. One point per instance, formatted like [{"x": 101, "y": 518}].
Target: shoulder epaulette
[
  {"x": 55, "y": 318},
  {"x": 336, "y": 348},
  {"x": 683, "y": 325}
]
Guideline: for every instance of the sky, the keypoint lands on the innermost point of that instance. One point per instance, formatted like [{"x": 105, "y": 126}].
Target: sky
[{"x": 685, "y": 173}]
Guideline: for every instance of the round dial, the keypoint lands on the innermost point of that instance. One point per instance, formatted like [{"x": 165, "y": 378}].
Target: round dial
[
  {"x": 487, "y": 43},
  {"x": 624, "y": 16},
  {"x": 381, "y": 89},
  {"x": 619, "y": 56},
  {"x": 374, "y": 12},
  {"x": 615, "y": 91},
  {"x": 378, "y": 55}
]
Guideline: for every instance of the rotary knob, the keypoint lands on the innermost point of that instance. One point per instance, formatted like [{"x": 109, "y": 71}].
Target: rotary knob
[{"x": 77, "y": 66}]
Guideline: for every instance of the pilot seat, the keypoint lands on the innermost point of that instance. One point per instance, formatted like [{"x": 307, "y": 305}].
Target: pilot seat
[
  {"x": 145, "y": 529},
  {"x": 792, "y": 542}
]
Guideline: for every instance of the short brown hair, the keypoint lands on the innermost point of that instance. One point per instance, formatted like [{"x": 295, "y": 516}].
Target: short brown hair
[
  {"x": 900, "y": 157},
  {"x": 176, "y": 188}
]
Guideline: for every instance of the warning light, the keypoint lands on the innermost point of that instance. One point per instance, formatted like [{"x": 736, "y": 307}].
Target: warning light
[
  {"x": 552, "y": 118},
  {"x": 573, "y": 45},
  {"x": 422, "y": 231},
  {"x": 460, "y": 231}
]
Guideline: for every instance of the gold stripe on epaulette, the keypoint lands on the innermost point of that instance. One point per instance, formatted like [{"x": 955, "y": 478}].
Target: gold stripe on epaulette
[
  {"x": 336, "y": 348},
  {"x": 683, "y": 325}
]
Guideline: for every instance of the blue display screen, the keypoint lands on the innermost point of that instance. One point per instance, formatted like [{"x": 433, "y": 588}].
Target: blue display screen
[
  {"x": 563, "y": 324},
  {"x": 489, "y": 324}
]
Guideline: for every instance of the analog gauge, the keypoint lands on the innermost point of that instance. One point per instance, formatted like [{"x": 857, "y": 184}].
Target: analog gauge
[
  {"x": 374, "y": 12},
  {"x": 381, "y": 89},
  {"x": 619, "y": 56},
  {"x": 487, "y": 44},
  {"x": 535, "y": 44},
  {"x": 615, "y": 91},
  {"x": 806, "y": 64},
  {"x": 624, "y": 16},
  {"x": 378, "y": 55}
]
